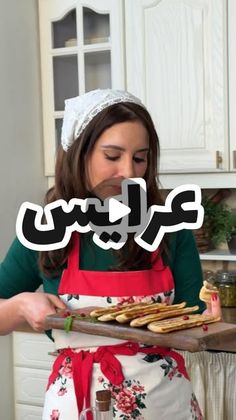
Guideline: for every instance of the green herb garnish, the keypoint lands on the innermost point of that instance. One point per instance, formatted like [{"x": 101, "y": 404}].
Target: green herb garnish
[{"x": 68, "y": 323}]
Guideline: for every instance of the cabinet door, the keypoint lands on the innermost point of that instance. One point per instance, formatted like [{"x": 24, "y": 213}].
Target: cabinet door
[
  {"x": 30, "y": 385},
  {"x": 81, "y": 49},
  {"x": 176, "y": 63},
  {"x": 28, "y": 412},
  {"x": 232, "y": 82},
  {"x": 32, "y": 350}
]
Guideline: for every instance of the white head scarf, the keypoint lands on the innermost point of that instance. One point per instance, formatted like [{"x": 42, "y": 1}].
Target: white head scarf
[{"x": 79, "y": 111}]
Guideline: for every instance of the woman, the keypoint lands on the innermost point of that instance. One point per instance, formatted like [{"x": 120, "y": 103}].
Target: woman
[{"x": 107, "y": 136}]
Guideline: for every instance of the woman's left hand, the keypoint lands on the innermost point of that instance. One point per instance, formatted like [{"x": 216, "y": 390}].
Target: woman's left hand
[{"x": 214, "y": 307}]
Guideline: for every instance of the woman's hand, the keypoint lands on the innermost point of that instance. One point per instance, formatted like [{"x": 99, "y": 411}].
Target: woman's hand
[
  {"x": 214, "y": 307},
  {"x": 35, "y": 307}
]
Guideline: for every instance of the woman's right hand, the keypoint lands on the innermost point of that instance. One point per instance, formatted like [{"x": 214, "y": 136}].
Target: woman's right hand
[{"x": 35, "y": 307}]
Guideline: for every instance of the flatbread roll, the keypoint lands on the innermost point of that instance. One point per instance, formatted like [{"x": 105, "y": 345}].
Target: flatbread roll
[
  {"x": 115, "y": 308},
  {"x": 128, "y": 316},
  {"x": 132, "y": 312},
  {"x": 206, "y": 291},
  {"x": 144, "y": 320},
  {"x": 179, "y": 323}
]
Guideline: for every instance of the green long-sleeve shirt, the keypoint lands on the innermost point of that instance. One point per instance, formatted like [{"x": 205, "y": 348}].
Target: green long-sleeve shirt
[{"x": 19, "y": 271}]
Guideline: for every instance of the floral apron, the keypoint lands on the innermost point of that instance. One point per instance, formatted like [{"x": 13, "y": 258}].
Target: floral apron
[{"x": 146, "y": 382}]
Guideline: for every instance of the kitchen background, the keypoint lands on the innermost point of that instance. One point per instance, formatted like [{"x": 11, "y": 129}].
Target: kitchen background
[{"x": 27, "y": 152}]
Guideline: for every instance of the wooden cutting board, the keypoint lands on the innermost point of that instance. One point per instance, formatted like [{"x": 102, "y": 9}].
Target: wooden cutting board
[{"x": 219, "y": 336}]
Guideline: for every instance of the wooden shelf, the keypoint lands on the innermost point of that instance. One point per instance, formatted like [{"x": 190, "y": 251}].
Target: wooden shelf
[{"x": 218, "y": 255}]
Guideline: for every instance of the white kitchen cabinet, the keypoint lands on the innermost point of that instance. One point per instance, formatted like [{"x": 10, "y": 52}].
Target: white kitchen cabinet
[
  {"x": 30, "y": 385},
  {"x": 81, "y": 44},
  {"x": 180, "y": 59},
  {"x": 31, "y": 366},
  {"x": 232, "y": 83},
  {"x": 176, "y": 62},
  {"x": 27, "y": 412}
]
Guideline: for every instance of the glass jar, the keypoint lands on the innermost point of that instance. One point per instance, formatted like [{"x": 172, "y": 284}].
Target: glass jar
[
  {"x": 103, "y": 409},
  {"x": 226, "y": 283}
]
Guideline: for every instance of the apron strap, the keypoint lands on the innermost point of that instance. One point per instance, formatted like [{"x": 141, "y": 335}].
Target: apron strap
[{"x": 74, "y": 255}]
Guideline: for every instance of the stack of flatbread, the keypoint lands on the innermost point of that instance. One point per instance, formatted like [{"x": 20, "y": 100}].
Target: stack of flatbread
[{"x": 158, "y": 317}]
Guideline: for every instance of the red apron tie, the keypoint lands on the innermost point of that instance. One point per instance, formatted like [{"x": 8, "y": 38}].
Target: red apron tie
[
  {"x": 109, "y": 364},
  {"x": 82, "y": 364}
]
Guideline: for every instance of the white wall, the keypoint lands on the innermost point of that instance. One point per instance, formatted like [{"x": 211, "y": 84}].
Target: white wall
[{"x": 21, "y": 154}]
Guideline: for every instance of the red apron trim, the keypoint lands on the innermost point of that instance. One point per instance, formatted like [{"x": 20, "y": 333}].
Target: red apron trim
[
  {"x": 115, "y": 284},
  {"x": 110, "y": 366},
  {"x": 130, "y": 283}
]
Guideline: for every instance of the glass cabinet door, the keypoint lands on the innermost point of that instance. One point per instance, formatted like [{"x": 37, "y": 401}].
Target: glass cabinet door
[
  {"x": 65, "y": 59},
  {"x": 80, "y": 51},
  {"x": 65, "y": 78},
  {"x": 97, "y": 58},
  {"x": 96, "y": 27},
  {"x": 64, "y": 33},
  {"x": 97, "y": 70}
]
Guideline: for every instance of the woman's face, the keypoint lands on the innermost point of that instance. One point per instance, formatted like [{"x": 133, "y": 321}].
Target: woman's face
[{"x": 120, "y": 152}]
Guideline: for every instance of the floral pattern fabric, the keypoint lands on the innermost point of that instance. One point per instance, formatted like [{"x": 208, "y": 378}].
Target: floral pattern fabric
[{"x": 153, "y": 386}]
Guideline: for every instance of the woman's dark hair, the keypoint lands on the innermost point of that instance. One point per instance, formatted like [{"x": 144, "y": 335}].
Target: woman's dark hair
[{"x": 70, "y": 182}]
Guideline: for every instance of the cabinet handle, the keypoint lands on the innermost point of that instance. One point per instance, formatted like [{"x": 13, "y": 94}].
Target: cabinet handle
[
  {"x": 219, "y": 159},
  {"x": 234, "y": 159}
]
